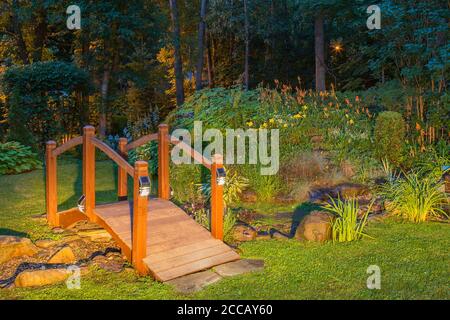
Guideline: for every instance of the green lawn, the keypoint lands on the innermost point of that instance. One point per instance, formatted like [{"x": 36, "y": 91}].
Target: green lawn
[{"x": 414, "y": 258}]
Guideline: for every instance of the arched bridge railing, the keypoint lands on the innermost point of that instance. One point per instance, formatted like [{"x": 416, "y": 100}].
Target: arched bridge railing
[
  {"x": 164, "y": 140},
  {"x": 140, "y": 202}
]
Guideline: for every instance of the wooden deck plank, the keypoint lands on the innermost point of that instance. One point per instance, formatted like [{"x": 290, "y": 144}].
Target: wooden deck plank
[
  {"x": 176, "y": 244},
  {"x": 180, "y": 250},
  {"x": 169, "y": 245},
  {"x": 188, "y": 257},
  {"x": 196, "y": 266}
]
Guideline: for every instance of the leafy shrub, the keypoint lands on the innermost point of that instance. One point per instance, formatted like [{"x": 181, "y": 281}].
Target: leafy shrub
[
  {"x": 184, "y": 181},
  {"x": 147, "y": 152},
  {"x": 389, "y": 171},
  {"x": 16, "y": 158},
  {"x": 41, "y": 104},
  {"x": 229, "y": 220},
  {"x": 346, "y": 226},
  {"x": 118, "y": 123},
  {"x": 202, "y": 217},
  {"x": 390, "y": 136},
  {"x": 265, "y": 187},
  {"x": 433, "y": 161},
  {"x": 415, "y": 197},
  {"x": 234, "y": 185}
]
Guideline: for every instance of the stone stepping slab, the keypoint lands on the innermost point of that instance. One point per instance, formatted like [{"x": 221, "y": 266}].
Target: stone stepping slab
[{"x": 195, "y": 282}]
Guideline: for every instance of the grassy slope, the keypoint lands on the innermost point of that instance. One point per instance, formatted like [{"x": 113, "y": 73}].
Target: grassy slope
[{"x": 414, "y": 259}]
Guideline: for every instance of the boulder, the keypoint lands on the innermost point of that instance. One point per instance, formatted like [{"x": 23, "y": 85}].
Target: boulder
[
  {"x": 38, "y": 278},
  {"x": 349, "y": 190},
  {"x": 244, "y": 233},
  {"x": 11, "y": 247},
  {"x": 45, "y": 244},
  {"x": 58, "y": 230},
  {"x": 235, "y": 268},
  {"x": 194, "y": 282},
  {"x": 70, "y": 238},
  {"x": 315, "y": 227},
  {"x": 99, "y": 235},
  {"x": 64, "y": 255}
]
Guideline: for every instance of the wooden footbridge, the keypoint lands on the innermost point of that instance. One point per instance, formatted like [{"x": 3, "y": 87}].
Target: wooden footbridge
[{"x": 155, "y": 235}]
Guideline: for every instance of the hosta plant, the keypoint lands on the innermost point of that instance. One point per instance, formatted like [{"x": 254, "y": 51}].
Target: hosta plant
[{"x": 16, "y": 158}]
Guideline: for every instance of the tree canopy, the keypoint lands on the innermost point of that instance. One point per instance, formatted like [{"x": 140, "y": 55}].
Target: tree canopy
[{"x": 144, "y": 56}]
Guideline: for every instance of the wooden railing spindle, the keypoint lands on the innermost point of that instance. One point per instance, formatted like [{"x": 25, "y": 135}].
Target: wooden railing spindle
[
  {"x": 163, "y": 162},
  {"x": 89, "y": 171},
  {"x": 51, "y": 197},
  {"x": 140, "y": 207},
  {"x": 122, "y": 189},
  {"x": 217, "y": 204}
]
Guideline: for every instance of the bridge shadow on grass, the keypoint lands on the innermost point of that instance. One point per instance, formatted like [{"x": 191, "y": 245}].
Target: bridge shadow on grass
[
  {"x": 101, "y": 197},
  {"x": 10, "y": 232},
  {"x": 301, "y": 212}
]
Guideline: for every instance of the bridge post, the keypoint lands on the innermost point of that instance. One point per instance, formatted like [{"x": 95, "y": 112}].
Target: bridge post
[
  {"x": 163, "y": 162},
  {"x": 122, "y": 188},
  {"x": 217, "y": 205},
  {"x": 89, "y": 171},
  {"x": 51, "y": 197},
  {"x": 140, "y": 208}
]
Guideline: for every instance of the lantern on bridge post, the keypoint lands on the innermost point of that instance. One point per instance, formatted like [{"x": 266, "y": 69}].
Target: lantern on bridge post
[
  {"x": 144, "y": 186},
  {"x": 81, "y": 204},
  {"x": 221, "y": 176},
  {"x": 141, "y": 191},
  {"x": 218, "y": 176}
]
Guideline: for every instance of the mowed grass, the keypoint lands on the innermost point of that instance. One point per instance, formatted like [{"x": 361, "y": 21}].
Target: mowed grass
[{"x": 413, "y": 258}]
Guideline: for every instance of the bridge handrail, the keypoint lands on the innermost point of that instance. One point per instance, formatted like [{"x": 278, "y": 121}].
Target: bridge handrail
[
  {"x": 197, "y": 156},
  {"x": 66, "y": 146},
  {"x": 142, "y": 140},
  {"x": 140, "y": 202},
  {"x": 113, "y": 155}
]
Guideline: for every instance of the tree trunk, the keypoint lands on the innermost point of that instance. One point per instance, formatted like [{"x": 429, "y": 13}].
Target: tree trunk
[
  {"x": 84, "y": 118},
  {"x": 17, "y": 30},
  {"x": 247, "y": 46},
  {"x": 209, "y": 62},
  {"x": 40, "y": 33},
  {"x": 201, "y": 40},
  {"x": 104, "y": 105},
  {"x": 320, "y": 53},
  {"x": 178, "y": 64}
]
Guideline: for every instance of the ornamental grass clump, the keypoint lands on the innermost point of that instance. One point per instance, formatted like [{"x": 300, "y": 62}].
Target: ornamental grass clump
[
  {"x": 416, "y": 198},
  {"x": 346, "y": 226}
]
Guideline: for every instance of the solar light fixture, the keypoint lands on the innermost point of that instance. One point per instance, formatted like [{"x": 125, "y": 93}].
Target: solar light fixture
[
  {"x": 221, "y": 176},
  {"x": 144, "y": 186},
  {"x": 81, "y": 203}
]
